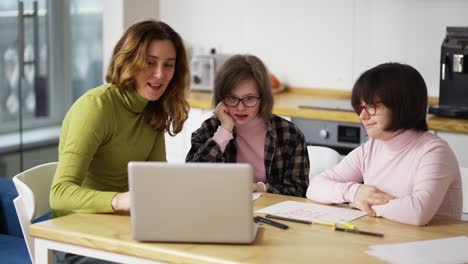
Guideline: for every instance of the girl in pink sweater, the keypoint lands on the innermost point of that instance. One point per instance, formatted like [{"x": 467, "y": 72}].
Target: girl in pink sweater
[{"x": 403, "y": 172}]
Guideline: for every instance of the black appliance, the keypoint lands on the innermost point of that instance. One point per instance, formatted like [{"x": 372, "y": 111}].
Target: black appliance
[
  {"x": 340, "y": 136},
  {"x": 453, "y": 89}
]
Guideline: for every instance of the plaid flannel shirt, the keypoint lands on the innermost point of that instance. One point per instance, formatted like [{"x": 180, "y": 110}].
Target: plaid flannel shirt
[{"x": 286, "y": 158}]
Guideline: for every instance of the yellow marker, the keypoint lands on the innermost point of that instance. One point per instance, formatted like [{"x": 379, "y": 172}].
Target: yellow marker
[
  {"x": 347, "y": 225},
  {"x": 324, "y": 223}
]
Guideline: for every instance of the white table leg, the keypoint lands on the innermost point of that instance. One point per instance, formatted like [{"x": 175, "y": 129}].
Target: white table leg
[{"x": 42, "y": 253}]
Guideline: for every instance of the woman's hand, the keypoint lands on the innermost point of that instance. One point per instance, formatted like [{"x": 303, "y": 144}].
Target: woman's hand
[
  {"x": 121, "y": 202},
  {"x": 222, "y": 113},
  {"x": 367, "y": 195}
]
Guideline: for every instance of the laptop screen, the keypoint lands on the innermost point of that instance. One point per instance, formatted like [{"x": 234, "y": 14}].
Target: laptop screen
[{"x": 191, "y": 202}]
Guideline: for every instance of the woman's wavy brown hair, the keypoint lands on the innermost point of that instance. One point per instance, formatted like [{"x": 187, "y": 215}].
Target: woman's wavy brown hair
[{"x": 170, "y": 111}]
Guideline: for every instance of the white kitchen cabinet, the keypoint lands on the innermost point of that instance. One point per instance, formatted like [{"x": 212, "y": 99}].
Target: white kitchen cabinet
[
  {"x": 459, "y": 144},
  {"x": 177, "y": 147}
]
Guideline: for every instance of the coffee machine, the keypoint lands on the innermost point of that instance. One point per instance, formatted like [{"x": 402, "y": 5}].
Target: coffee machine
[
  {"x": 203, "y": 69},
  {"x": 453, "y": 89}
]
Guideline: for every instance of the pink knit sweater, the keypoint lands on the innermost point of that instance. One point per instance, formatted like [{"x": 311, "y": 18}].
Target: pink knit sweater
[{"x": 418, "y": 168}]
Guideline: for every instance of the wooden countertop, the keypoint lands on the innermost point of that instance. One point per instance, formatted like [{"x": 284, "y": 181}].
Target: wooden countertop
[
  {"x": 287, "y": 104},
  {"x": 299, "y": 244}
]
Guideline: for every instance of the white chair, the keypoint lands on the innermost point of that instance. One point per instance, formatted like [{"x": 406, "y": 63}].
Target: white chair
[
  {"x": 321, "y": 158},
  {"x": 33, "y": 187},
  {"x": 464, "y": 179}
]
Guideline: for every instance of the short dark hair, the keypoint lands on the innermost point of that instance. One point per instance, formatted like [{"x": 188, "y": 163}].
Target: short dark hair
[
  {"x": 401, "y": 88},
  {"x": 240, "y": 68}
]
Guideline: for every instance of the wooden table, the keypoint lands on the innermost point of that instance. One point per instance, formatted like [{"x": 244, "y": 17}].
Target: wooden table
[{"x": 108, "y": 236}]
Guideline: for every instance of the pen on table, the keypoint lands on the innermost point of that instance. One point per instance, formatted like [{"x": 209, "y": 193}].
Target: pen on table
[
  {"x": 324, "y": 223},
  {"x": 343, "y": 224},
  {"x": 288, "y": 219},
  {"x": 358, "y": 232},
  {"x": 270, "y": 222},
  {"x": 346, "y": 225}
]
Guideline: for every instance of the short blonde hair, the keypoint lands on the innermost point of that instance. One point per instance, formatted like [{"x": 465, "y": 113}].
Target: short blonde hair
[{"x": 129, "y": 57}]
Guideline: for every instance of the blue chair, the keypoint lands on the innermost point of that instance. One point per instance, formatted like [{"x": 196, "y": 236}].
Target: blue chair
[{"x": 13, "y": 248}]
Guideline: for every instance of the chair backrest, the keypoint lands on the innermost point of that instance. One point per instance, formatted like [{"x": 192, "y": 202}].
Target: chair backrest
[
  {"x": 464, "y": 179},
  {"x": 33, "y": 187},
  {"x": 321, "y": 158}
]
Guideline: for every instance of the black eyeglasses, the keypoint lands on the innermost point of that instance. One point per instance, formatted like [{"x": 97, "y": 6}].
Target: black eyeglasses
[
  {"x": 371, "y": 109},
  {"x": 248, "y": 101}
]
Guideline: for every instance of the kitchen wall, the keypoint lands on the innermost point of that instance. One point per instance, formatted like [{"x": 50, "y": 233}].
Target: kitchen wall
[{"x": 321, "y": 43}]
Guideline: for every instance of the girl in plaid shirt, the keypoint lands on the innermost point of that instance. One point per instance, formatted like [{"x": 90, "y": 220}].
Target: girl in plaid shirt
[{"x": 244, "y": 130}]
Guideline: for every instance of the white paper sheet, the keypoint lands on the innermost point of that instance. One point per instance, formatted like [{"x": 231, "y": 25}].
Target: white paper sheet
[
  {"x": 255, "y": 196},
  {"x": 312, "y": 212},
  {"x": 447, "y": 250}
]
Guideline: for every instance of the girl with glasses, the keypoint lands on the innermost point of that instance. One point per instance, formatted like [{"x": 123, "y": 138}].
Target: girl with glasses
[
  {"x": 403, "y": 172},
  {"x": 244, "y": 130}
]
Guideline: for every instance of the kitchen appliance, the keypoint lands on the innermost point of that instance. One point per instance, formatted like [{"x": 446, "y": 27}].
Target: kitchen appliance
[
  {"x": 203, "y": 69},
  {"x": 340, "y": 136},
  {"x": 453, "y": 89}
]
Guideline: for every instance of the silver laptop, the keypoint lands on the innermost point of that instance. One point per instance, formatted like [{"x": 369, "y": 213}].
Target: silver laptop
[{"x": 191, "y": 202}]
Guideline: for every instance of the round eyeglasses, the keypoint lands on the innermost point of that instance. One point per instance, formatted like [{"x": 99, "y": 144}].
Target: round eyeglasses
[
  {"x": 370, "y": 109},
  {"x": 248, "y": 101}
]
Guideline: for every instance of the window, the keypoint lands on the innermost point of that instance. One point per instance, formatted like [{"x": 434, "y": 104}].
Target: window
[
  {"x": 61, "y": 39},
  {"x": 86, "y": 44},
  {"x": 22, "y": 80},
  {"x": 61, "y": 44}
]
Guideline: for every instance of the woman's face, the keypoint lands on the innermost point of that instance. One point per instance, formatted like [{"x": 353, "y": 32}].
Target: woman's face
[
  {"x": 243, "y": 114},
  {"x": 376, "y": 118},
  {"x": 152, "y": 81}
]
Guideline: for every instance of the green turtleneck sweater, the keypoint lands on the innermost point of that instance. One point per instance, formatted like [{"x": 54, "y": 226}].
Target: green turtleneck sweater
[{"x": 103, "y": 130}]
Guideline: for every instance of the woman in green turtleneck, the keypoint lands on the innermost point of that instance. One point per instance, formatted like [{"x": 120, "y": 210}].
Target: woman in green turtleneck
[{"x": 121, "y": 121}]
